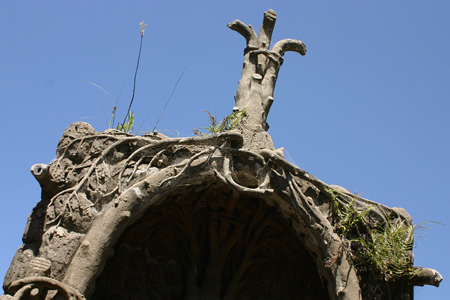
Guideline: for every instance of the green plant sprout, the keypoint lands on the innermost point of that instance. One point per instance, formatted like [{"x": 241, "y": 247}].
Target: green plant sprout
[
  {"x": 348, "y": 217},
  {"x": 388, "y": 251},
  {"x": 127, "y": 126},
  {"x": 228, "y": 122}
]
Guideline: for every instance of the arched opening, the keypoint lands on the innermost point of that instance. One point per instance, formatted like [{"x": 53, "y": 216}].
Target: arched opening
[{"x": 209, "y": 242}]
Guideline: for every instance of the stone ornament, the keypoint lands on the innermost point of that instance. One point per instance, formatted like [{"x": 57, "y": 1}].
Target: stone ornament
[{"x": 223, "y": 216}]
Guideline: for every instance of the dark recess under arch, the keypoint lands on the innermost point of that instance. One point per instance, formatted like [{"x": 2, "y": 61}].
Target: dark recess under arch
[{"x": 210, "y": 243}]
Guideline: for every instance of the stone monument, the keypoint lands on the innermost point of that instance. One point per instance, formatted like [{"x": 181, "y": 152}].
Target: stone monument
[{"x": 222, "y": 216}]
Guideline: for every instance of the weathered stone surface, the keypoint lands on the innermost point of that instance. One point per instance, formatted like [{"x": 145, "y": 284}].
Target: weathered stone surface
[
  {"x": 58, "y": 246},
  {"x": 19, "y": 267},
  {"x": 153, "y": 210}
]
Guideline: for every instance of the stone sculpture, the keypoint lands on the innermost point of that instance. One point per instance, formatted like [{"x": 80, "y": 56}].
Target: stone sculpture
[{"x": 223, "y": 216}]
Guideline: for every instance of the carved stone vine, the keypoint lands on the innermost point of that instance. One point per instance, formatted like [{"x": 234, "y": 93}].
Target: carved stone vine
[{"x": 101, "y": 184}]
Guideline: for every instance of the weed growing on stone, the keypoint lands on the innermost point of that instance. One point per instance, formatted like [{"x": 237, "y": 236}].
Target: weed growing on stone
[
  {"x": 128, "y": 122},
  {"x": 388, "y": 251},
  {"x": 348, "y": 217},
  {"x": 127, "y": 126},
  {"x": 129, "y": 117},
  {"x": 215, "y": 126}
]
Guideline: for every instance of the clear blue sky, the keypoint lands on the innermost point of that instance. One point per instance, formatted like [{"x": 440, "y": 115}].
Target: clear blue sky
[{"x": 367, "y": 108}]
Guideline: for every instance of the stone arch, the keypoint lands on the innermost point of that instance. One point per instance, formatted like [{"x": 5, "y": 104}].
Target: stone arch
[
  {"x": 210, "y": 242},
  {"x": 122, "y": 222}
]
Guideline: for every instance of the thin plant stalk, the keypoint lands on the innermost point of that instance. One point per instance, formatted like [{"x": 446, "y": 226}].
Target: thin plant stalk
[
  {"x": 170, "y": 97},
  {"x": 142, "y": 24}
]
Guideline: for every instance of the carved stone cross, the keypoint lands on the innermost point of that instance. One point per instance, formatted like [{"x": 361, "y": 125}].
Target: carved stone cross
[{"x": 260, "y": 70}]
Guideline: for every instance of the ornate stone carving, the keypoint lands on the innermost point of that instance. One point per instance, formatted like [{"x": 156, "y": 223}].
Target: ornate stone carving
[
  {"x": 215, "y": 217},
  {"x": 260, "y": 70},
  {"x": 38, "y": 287}
]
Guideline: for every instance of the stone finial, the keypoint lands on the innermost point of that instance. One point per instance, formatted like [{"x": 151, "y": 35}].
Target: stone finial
[{"x": 260, "y": 70}]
